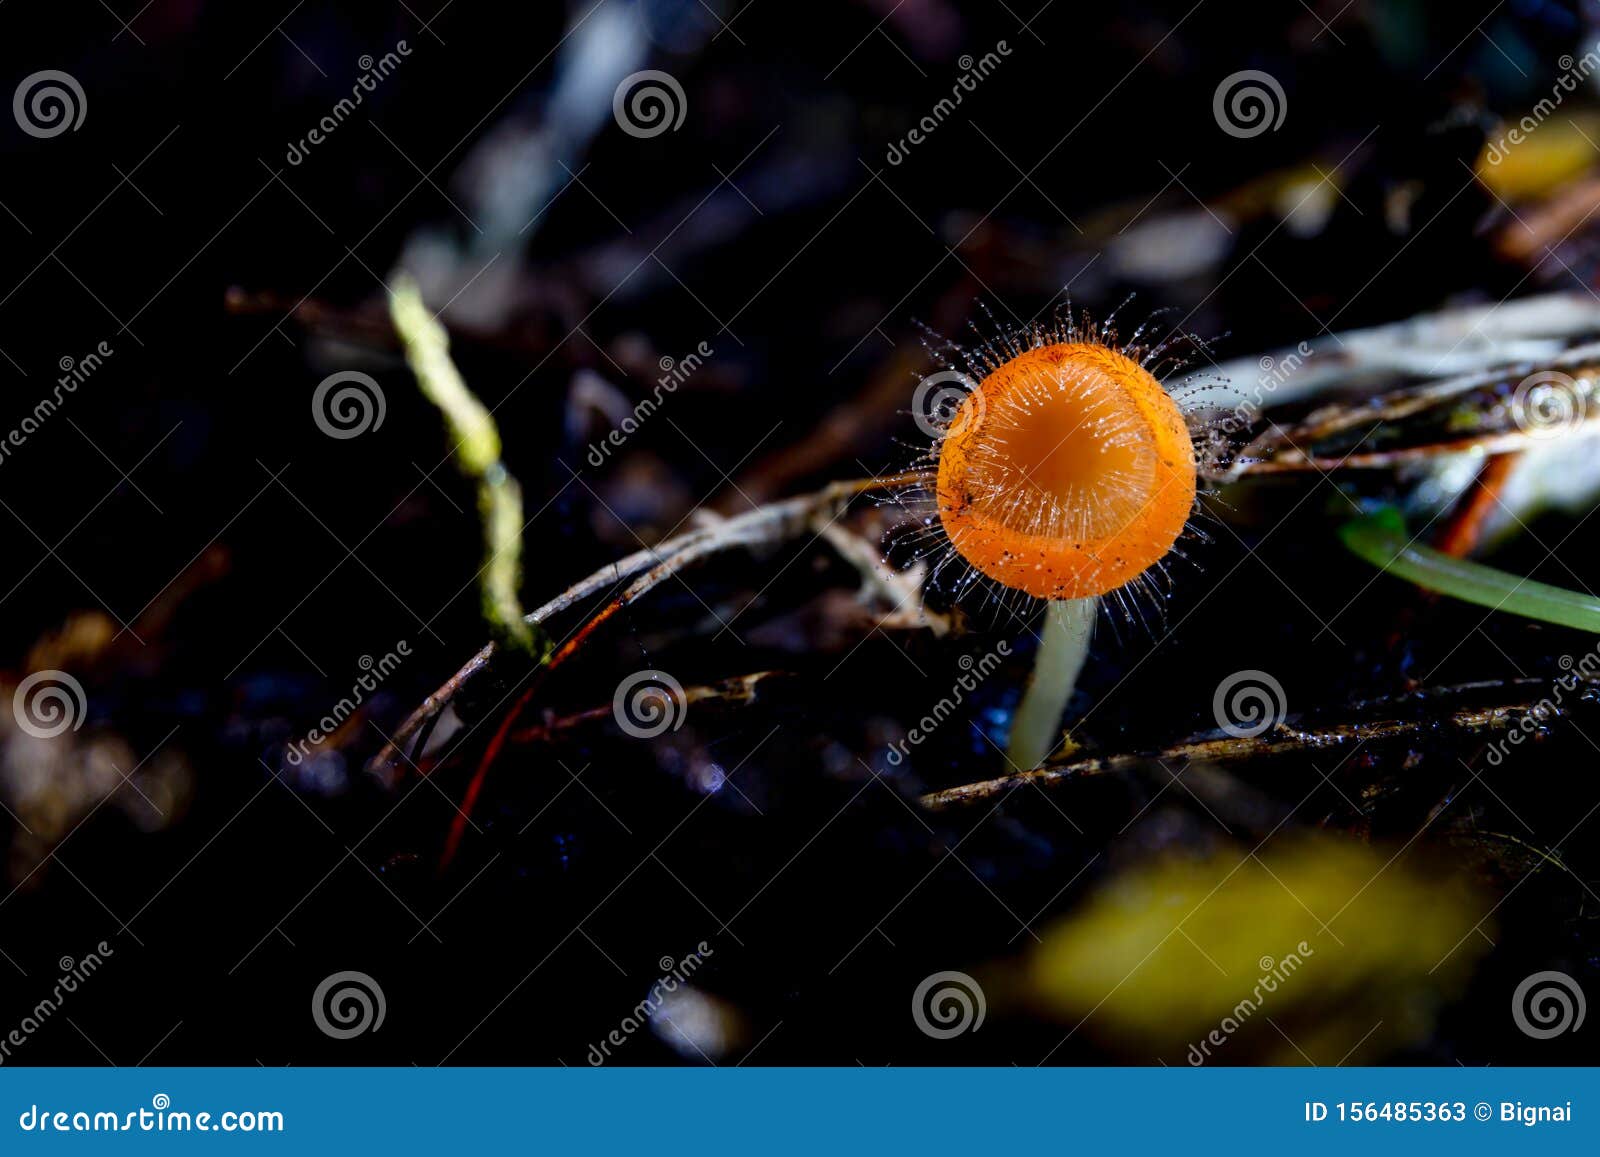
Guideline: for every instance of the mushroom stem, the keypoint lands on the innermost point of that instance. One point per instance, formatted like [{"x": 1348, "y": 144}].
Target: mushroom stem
[{"x": 1063, "y": 649}]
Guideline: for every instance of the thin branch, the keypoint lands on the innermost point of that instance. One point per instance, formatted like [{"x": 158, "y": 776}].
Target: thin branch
[
  {"x": 1284, "y": 740},
  {"x": 766, "y": 525}
]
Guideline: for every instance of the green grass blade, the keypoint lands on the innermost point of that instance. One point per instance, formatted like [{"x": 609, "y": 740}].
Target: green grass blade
[{"x": 1382, "y": 540}]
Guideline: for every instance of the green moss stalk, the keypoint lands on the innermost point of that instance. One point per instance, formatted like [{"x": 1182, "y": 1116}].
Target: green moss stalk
[{"x": 477, "y": 452}]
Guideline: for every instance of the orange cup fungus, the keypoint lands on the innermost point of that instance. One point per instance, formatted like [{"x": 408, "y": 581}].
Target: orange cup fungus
[{"x": 1067, "y": 473}]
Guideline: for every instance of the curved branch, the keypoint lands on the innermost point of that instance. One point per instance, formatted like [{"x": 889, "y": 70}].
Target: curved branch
[{"x": 770, "y": 524}]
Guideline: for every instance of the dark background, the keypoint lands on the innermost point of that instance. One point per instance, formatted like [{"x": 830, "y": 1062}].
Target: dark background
[{"x": 186, "y": 480}]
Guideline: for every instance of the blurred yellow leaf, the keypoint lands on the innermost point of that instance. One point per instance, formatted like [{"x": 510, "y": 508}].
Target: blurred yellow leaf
[
  {"x": 1314, "y": 951},
  {"x": 1519, "y": 162}
]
